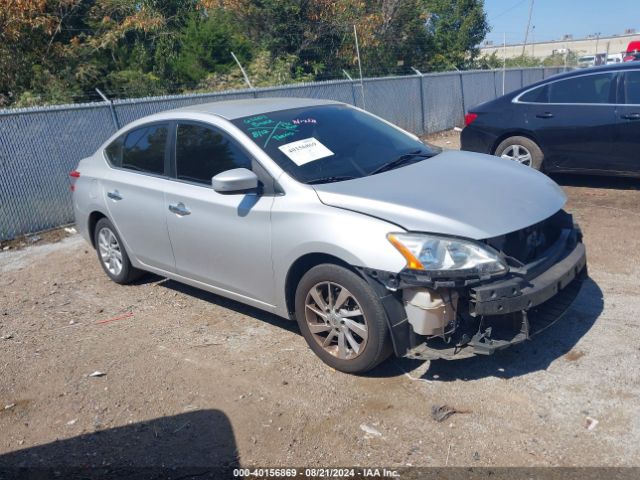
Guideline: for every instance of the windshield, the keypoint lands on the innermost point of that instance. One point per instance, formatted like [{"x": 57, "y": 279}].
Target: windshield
[{"x": 331, "y": 143}]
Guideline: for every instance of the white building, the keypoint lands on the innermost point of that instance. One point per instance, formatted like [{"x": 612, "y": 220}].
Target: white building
[{"x": 582, "y": 46}]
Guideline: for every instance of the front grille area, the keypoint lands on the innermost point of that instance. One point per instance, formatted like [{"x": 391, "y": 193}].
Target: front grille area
[{"x": 528, "y": 244}]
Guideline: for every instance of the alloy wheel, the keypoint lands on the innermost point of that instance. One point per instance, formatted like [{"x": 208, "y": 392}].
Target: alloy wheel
[
  {"x": 336, "y": 320},
  {"x": 517, "y": 153},
  {"x": 110, "y": 251}
]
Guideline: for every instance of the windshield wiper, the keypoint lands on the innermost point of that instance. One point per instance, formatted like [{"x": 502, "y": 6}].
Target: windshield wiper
[
  {"x": 331, "y": 179},
  {"x": 400, "y": 160}
]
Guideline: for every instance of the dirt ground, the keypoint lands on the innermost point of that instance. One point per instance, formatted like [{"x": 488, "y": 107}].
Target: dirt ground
[{"x": 190, "y": 378}]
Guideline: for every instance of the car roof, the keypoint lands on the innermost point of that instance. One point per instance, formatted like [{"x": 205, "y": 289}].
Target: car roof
[
  {"x": 232, "y": 109},
  {"x": 597, "y": 69},
  {"x": 610, "y": 67}
]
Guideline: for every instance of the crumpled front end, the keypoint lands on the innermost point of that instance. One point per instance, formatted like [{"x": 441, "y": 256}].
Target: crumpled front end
[{"x": 434, "y": 316}]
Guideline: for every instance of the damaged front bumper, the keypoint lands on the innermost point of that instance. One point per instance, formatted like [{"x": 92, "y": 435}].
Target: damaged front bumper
[{"x": 490, "y": 313}]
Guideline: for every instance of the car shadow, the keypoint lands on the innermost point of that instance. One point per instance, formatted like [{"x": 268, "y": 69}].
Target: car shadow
[
  {"x": 223, "y": 302},
  {"x": 527, "y": 357},
  {"x": 195, "y": 444},
  {"x": 594, "y": 181}
]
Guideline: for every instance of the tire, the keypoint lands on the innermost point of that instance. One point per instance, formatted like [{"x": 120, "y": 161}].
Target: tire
[
  {"x": 530, "y": 153},
  {"x": 111, "y": 254},
  {"x": 369, "y": 330}
]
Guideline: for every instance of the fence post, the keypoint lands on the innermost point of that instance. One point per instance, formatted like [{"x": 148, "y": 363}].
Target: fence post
[
  {"x": 423, "y": 126},
  {"x": 353, "y": 89},
  {"x": 114, "y": 117},
  {"x": 464, "y": 107}
]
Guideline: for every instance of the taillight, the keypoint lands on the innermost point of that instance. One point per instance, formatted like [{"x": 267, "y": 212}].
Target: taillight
[
  {"x": 469, "y": 118},
  {"x": 74, "y": 174}
]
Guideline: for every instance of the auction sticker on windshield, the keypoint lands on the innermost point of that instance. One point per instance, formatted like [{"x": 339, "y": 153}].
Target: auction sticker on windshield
[{"x": 305, "y": 151}]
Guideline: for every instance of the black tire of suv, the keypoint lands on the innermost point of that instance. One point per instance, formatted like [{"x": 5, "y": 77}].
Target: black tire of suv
[
  {"x": 378, "y": 345},
  {"x": 128, "y": 273},
  {"x": 537, "y": 157}
]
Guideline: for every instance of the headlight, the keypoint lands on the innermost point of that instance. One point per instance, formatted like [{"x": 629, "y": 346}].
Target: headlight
[{"x": 443, "y": 254}]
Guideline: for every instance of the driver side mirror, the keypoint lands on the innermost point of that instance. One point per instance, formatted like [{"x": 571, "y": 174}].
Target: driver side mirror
[{"x": 237, "y": 180}]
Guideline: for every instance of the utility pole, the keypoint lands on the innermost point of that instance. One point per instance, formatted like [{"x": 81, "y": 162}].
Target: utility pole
[
  {"x": 533, "y": 41},
  {"x": 504, "y": 60},
  {"x": 526, "y": 32},
  {"x": 597, "y": 41}
]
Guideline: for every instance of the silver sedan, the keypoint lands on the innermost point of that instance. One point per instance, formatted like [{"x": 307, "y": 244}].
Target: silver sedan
[{"x": 374, "y": 241}]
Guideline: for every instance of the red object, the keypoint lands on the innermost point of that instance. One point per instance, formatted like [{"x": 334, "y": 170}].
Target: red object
[
  {"x": 469, "y": 118},
  {"x": 115, "y": 319},
  {"x": 632, "y": 48},
  {"x": 73, "y": 174}
]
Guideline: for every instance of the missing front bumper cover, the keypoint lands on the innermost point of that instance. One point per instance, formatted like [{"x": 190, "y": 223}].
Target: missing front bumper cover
[
  {"x": 492, "y": 314},
  {"x": 498, "y": 332}
]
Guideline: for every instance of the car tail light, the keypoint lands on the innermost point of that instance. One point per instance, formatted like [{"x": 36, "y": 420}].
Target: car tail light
[
  {"x": 74, "y": 174},
  {"x": 469, "y": 118}
]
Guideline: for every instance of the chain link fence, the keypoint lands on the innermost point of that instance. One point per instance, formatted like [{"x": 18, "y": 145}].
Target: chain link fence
[{"x": 40, "y": 146}]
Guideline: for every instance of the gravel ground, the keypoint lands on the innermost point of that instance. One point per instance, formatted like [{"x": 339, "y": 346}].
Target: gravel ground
[{"x": 191, "y": 378}]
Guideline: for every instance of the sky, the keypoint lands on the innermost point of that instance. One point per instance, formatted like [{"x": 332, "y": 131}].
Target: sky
[{"x": 553, "y": 18}]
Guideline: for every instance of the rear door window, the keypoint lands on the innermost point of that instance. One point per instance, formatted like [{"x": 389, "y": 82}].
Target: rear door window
[
  {"x": 631, "y": 88},
  {"x": 586, "y": 89},
  {"x": 143, "y": 149},
  {"x": 202, "y": 152}
]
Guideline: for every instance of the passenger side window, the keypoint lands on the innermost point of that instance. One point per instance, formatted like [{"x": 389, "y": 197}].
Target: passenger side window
[
  {"x": 203, "y": 152},
  {"x": 632, "y": 88},
  {"x": 584, "y": 89},
  {"x": 144, "y": 148}
]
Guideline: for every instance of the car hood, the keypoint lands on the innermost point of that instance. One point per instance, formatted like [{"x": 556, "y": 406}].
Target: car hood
[{"x": 453, "y": 193}]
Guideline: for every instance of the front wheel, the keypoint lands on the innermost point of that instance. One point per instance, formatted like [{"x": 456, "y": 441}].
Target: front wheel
[
  {"x": 342, "y": 319},
  {"x": 522, "y": 150}
]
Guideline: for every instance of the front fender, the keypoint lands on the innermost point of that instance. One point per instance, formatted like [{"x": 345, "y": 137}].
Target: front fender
[{"x": 356, "y": 239}]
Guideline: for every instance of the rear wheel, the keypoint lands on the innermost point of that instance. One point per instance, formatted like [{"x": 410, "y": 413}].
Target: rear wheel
[
  {"x": 342, "y": 319},
  {"x": 112, "y": 255},
  {"x": 522, "y": 150}
]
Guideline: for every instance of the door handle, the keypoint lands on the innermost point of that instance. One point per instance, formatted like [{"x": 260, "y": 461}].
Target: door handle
[
  {"x": 544, "y": 115},
  {"x": 180, "y": 209},
  {"x": 115, "y": 195},
  {"x": 631, "y": 116}
]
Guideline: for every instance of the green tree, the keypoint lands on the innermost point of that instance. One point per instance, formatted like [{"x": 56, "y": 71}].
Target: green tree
[
  {"x": 205, "y": 46},
  {"x": 457, "y": 28}
]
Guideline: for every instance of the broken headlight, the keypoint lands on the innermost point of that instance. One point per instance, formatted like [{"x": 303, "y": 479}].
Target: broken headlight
[{"x": 444, "y": 254}]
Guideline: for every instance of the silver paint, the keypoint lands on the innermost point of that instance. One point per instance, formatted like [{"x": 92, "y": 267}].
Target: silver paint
[{"x": 243, "y": 245}]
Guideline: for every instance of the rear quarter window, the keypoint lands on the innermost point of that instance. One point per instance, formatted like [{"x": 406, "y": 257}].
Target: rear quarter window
[
  {"x": 114, "y": 151},
  {"x": 537, "y": 95}
]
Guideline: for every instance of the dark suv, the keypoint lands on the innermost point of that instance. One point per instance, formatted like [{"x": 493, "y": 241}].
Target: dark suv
[{"x": 585, "y": 121}]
